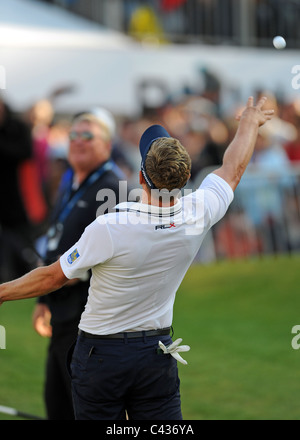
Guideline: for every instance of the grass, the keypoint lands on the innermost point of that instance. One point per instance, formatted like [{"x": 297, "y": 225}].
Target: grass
[
  {"x": 236, "y": 316},
  {"x": 22, "y": 363}
]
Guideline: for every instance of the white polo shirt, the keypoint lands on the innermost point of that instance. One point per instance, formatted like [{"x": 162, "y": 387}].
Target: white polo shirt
[{"x": 139, "y": 256}]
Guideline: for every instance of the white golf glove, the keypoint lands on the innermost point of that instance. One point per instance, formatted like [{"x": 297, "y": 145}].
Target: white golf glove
[{"x": 174, "y": 348}]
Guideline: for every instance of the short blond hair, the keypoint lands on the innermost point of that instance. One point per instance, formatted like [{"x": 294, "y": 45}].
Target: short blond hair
[{"x": 168, "y": 164}]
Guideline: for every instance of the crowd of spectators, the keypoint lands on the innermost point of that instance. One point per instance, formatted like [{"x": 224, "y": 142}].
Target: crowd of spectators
[
  {"x": 211, "y": 21},
  {"x": 264, "y": 217}
]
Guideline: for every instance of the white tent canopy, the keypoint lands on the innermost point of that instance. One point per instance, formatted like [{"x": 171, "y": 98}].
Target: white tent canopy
[
  {"x": 28, "y": 23},
  {"x": 43, "y": 47}
]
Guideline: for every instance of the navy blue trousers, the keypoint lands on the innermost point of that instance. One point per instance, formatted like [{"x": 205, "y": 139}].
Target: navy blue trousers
[{"x": 112, "y": 377}]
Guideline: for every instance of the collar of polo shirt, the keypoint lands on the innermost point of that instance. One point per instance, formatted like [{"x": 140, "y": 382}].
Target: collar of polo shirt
[{"x": 150, "y": 209}]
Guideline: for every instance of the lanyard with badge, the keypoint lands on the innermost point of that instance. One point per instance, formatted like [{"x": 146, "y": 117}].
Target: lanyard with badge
[{"x": 55, "y": 232}]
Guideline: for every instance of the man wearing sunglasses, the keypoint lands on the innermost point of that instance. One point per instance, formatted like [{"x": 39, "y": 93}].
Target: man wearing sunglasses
[
  {"x": 91, "y": 169},
  {"x": 124, "y": 357}
]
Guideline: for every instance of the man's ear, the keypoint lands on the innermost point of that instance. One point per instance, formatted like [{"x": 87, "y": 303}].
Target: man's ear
[{"x": 141, "y": 178}]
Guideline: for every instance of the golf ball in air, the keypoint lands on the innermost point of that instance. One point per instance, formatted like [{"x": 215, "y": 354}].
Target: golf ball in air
[{"x": 279, "y": 42}]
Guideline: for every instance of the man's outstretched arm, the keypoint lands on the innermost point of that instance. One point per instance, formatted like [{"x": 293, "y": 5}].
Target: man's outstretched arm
[
  {"x": 38, "y": 282},
  {"x": 240, "y": 150}
]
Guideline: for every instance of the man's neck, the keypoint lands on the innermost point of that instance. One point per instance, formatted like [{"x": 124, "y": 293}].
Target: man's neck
[
  {"x": 80, "y": 174},
  {"x": 162, "y": 202}
]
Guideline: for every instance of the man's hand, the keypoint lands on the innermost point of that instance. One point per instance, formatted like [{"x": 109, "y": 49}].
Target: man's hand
[
  {"x": 41, "y": 320},
  {"x": 240, "y": 150},
  {"x": 255, "y": 111}
]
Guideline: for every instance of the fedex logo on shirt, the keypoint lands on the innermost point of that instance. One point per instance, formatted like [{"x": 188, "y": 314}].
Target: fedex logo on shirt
[{"x": 73, "y": 256}]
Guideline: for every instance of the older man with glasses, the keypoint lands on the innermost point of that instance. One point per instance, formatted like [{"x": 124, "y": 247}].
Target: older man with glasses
[
  {"x": 57, "y": 315},
  {"x": 124, "y": 360}
]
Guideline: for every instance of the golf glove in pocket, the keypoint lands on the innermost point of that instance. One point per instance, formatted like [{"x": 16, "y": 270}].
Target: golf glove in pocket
[{"x": 174, "y": 350}]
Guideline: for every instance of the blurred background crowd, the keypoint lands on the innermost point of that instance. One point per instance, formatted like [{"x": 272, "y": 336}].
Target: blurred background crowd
[
  {"x": 265, "y": 215},
  {"x": 245, "y": 22}
]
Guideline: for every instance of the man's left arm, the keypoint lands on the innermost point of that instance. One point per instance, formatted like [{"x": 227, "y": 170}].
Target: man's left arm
[{"x": 38, "y": 282}]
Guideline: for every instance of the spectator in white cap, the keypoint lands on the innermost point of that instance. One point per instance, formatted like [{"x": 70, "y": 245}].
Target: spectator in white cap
[
  {"x": 57, "y": 315},
  {"x": 124, "y": 359}
]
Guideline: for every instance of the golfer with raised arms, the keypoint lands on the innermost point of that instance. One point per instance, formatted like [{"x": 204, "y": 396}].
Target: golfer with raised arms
[{"x": 124, "y": 359}]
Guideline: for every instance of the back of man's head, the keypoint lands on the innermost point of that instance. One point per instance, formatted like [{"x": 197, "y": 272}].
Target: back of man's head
[{"x": 168, "y": 164}]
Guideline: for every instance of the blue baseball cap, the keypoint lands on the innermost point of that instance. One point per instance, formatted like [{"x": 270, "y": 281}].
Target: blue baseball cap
[{"x": 149, "y": 136}]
